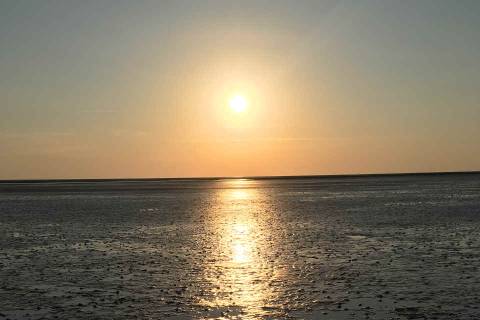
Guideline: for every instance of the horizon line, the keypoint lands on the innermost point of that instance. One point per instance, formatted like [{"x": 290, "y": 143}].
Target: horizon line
[{"x": 311, "y": 176}]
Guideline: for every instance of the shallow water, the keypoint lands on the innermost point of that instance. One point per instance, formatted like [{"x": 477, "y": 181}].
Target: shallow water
[{"x": 398, "y": 247}]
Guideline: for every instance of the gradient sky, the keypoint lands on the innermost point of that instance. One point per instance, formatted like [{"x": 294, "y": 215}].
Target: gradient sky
[{"x": 111, "y": 88}]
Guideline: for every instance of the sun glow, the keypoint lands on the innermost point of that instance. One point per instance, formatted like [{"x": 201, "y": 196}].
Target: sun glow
[{"x": 238, "y": 103}]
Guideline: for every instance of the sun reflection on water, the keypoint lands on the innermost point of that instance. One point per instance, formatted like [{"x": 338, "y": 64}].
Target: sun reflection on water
[
  {"x": 241, "y": 247},
  {"x": 240, "y": 270},
  {"x": 239, "y": 194}
]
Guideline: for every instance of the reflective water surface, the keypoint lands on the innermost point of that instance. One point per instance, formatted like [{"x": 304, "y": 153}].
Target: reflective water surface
[
  {"x": 240, "y": 270},
  {"x": 336, "y": 248}
]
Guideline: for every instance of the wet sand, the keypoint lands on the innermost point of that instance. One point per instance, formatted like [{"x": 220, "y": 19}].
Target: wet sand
[{"x": 398, "y": 247}]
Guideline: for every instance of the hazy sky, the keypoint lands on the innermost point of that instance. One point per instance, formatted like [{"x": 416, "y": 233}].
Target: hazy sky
[{"x": 111, "y": 88}]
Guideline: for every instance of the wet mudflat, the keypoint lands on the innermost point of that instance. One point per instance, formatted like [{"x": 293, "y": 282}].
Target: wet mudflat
[{"x": 398, "y": 247}]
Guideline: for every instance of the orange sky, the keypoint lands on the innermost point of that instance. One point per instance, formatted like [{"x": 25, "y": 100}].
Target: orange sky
[{"x": 142, "y": 89}]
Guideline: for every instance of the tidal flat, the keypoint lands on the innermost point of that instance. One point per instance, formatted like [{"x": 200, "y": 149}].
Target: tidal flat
[{"x": 364, "y": 247}]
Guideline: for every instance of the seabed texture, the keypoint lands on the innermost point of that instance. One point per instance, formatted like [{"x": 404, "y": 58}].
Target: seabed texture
[{"x": 394, "y": 247}]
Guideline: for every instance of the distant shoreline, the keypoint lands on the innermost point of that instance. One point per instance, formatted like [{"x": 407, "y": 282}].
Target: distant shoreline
[{"x": 286, "y": 177}]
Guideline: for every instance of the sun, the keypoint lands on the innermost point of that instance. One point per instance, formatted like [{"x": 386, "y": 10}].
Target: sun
[{"x": 238, "y": 103}]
